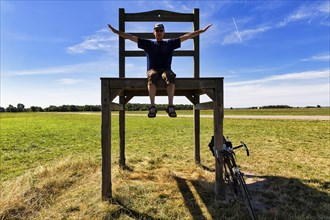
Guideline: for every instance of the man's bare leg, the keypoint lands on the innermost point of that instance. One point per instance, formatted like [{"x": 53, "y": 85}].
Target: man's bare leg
[
  {"x": 170, "y": 93},
  {"x": 152, "y": 93}
]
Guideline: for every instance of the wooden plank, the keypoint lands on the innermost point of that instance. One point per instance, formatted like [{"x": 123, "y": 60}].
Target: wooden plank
[
  {"x": 170, "y": 35},
  {"x": 121, "y": 43},
  {"x": 106, "y": 140},
  {"x": 122, "y": 133},
  {"x": 209, "y": 93},
  {"x": 115, "y": 93},
  {"x": 128, "y": 98},
  {"x": 190, "y": 97},
  {"x": 220, "y": 193},
  {"x": 204, "y": 106},
  {"x": 159, "y": 15},
  {"x": 197, "y": 131},
  {"x": 162, "y": 92},
  {"x": 141, "y": 53},
  {"x": 196, "y": 97},
  {"x": 180, "y": 83},
  {"x": 116, "y": 106},
  {"x": 122, "y": 17},
  {"x": 196, "y": 44}
]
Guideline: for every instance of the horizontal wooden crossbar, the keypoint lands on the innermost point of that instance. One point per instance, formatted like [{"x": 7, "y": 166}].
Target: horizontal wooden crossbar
[
  {"x": 159, "y": 15},
  {"x": 150, "y": 35},
  {"x": 188, "y": 87},
  {"x": 180, "y": 83},
  {"x": 140, "y": 53}
]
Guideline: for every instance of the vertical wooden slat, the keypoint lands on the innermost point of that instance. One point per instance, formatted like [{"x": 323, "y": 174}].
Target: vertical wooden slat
[
  {"x": 196, "y": 97},
  {"x": 121, "y": 43},
  {"x": 122, "y": 98},
  {"x": 220, "y": 193},
  {"x": 106, "y": 140},
  {"x": 196, "y": 44},
  {"x": 122, "y": 133},
  {"x": 197, "y": 130}
]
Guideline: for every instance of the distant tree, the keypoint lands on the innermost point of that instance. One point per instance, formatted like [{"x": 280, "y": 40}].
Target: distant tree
[
  {"x": 11, "y": 108},
  {"x": 36, "y": 109},
  {"x": 318, "y": 106},
  {"x": 51, "y": 108},
  {"x": 20, "y": 107},
  {"x": 73, "y": 108},
  {"x": 33, "y": 109},
  {"x": 2, "y": 109},
  {"x": 275, "y": 106}
]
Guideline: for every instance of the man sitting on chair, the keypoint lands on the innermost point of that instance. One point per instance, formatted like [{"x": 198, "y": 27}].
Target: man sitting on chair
[{"x": 159, "y": 60}]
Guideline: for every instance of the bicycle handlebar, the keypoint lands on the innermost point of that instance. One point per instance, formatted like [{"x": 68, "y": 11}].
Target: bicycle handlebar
[
  {"x": 230, "y": 148},
  {"x": 247, "y": 150},
  {"x": 245, "y": 147}
]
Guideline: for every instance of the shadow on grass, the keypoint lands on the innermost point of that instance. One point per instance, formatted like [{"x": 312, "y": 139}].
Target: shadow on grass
[
  {"x": 127, "y": 168},
  {"x": 123, "y": 210},
  {"x": 189, "y": 198},
  {"x": 272, "y": 197}
]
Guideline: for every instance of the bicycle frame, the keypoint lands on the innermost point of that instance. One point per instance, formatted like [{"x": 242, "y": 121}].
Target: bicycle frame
[{"x": 232, "y": 173}]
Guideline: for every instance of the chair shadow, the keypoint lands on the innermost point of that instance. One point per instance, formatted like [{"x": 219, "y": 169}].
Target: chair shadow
[
  {"x": 127, "y": 168},
  {"x": 271, "y": 195},
  {"x": 189, "y": 198},
  {"x": 123, "y": 210}
]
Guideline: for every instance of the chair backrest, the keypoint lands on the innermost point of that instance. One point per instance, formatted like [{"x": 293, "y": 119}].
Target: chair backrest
[{"x": 158, "y": 16}]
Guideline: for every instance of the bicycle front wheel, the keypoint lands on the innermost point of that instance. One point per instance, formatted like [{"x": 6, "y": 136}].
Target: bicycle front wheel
[
  {"x": 230, "y": 176},
  {"x": 244, "y": 195}
]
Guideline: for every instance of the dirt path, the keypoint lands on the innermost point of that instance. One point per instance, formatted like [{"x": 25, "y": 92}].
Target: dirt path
[
  {"x": 275, "y": 117},
  {"x": 278, "y": 117}
]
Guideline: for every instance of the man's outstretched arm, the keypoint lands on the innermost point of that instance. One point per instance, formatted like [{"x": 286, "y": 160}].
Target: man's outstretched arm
[
  {"x": 124, "y": 35},
  {"x": 194, "y": 34}
]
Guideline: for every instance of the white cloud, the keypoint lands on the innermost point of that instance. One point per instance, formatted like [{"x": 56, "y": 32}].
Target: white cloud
[
  {"x": 245, "y": 35},
  {"x": 70, "y": 81},
  {"x": 277, "y": 94},
  {"x": 101, "y": 66},
  {"x": 102, "y": 40},
  {"x": 294, "y": 89},
  {"x": 317, "y": 58},
  {"x": 168, "y": 4},
  {"x": 315, "y": 11},
  {"x": 289, "y": 76}
]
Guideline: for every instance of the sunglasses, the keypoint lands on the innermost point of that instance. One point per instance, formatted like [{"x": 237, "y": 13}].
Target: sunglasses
[{"x": 159, "y": 30}]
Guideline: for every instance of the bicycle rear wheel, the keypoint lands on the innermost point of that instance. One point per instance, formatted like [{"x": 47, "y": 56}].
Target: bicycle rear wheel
[{"x": 244, "y": 194}]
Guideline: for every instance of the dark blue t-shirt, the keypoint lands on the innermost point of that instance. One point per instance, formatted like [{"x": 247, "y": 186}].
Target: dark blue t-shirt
[{"x": 159, "y": 54}]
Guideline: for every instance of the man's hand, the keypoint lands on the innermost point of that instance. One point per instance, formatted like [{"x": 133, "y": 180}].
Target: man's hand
[
  {"x": 194, "y": 34},
  {"x": 124, "y": 35},
  {"x": 207, "y": 27},
  {"x": 112, "y": 29}
]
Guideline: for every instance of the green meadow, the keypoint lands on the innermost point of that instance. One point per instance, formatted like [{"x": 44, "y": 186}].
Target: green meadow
[{"x": 51, "y": 167}]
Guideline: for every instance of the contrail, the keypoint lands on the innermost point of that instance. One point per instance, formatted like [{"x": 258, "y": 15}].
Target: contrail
[{"x": 239, "y": 36}]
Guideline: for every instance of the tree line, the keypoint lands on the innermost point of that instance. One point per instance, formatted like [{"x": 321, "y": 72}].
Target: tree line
[
  {"x": 129, "y": 107},
  {"x": 86, "y": 108}
]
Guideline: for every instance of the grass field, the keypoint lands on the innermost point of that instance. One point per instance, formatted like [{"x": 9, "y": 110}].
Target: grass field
[{"x": 51, "y": 168}]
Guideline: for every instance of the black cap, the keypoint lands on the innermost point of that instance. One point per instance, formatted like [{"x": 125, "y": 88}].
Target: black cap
[{"x": 159, "y": 26}]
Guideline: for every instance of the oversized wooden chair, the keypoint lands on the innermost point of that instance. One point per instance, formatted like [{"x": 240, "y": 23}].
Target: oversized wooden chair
[{"x": 127, "y": 88}]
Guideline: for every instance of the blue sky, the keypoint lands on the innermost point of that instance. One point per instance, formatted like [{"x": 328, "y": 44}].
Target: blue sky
[{"x": 54, "y": 52}]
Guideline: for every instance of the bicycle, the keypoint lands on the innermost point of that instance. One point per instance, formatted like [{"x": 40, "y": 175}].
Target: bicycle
[{"x": 233, "y": 176}]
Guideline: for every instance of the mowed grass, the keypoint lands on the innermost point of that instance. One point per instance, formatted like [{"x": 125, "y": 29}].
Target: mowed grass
[
  {"x": 279, "y": 111},
  {"x": 324, "y": 111},
  {"x": 51, "y": 168}
]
